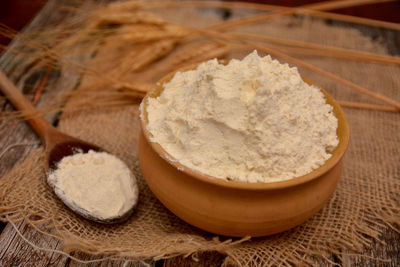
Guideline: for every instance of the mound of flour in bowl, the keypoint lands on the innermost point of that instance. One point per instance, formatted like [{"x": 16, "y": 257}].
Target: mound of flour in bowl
[{"x": 252, "y": 120}]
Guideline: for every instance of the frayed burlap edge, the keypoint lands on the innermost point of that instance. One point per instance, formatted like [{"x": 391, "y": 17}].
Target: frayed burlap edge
[{"x": 367, "y": 193}]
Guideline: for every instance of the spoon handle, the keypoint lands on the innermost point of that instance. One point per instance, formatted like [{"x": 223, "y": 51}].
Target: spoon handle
[{"x": 38, "y": 123}]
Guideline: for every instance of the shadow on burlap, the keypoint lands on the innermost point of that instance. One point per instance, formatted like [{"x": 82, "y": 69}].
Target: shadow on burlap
[{"x": 366, "y": 199}]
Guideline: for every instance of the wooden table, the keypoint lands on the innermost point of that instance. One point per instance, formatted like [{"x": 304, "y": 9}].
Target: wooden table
[{"x": 14, "y": 251}]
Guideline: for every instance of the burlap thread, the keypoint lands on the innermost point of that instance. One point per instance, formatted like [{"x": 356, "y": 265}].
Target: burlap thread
[{"x": 367, "y": 197}]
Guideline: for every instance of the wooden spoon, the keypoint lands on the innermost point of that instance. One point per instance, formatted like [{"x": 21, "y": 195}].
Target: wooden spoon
[{"x": 57, "y": 146}]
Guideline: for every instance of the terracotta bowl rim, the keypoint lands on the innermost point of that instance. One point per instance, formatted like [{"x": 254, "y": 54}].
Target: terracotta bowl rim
[{"x": 343, "y": 133}]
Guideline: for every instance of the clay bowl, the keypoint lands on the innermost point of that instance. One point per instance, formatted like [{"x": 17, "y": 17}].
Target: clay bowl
[{"x": 234, "y": 208}]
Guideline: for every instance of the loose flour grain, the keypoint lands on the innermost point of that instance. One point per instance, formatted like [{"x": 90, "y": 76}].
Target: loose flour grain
[
  {"x": 252, "y": 120},
  {"x": 97, "y": 182}
]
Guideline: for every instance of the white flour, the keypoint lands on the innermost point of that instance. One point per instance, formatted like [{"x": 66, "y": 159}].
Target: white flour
[
  {"x": 253, "y": 120},
  {"x": 97, "y": 182}
]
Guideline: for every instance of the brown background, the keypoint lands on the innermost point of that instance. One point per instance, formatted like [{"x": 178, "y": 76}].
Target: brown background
[{"x": 17, "y": 13}]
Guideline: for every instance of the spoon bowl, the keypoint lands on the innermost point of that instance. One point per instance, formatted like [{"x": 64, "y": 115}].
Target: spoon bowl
[
  {"x": 58, "y": 146},
  {"x": 61, "y": 146}
]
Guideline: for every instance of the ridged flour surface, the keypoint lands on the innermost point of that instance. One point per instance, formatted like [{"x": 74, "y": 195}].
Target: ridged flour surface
[{"x": 252, "y": 120}]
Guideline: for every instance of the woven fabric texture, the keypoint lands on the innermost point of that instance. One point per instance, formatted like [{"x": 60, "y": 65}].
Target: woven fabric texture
[{"x": 365, "y": 201}]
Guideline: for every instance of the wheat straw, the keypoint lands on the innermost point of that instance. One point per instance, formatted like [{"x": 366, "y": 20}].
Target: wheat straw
[
  {"x": 284, "y": 11},
  {"x": 349, "y": 104},
  {"x": 321, "y": 50},
  {"x": 331, "y": 5},
  {"x": 351, "y": 19},
  {"x": 303, "y": 64},
  {"x": 157, "y": 39},
  {"x": 211, "y": 3}
]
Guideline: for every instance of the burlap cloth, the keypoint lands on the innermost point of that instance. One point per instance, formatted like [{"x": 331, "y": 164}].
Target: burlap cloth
[{"x": 366, "y": 199}]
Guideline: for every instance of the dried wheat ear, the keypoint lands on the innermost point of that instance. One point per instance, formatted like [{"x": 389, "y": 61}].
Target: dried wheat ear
[{"x": 139, "y": 47}]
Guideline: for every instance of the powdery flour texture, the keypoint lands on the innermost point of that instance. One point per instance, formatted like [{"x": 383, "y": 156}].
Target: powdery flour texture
[{"x": 365, "y": 201}]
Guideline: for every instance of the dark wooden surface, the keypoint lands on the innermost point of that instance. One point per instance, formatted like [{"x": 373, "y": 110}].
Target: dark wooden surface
[
  {"x": 17, "y": 13},
  {"x": 16, "y": 252}
]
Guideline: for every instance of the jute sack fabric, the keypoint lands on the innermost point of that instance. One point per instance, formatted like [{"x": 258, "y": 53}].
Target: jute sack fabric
[{"x": 366, "y": 199}]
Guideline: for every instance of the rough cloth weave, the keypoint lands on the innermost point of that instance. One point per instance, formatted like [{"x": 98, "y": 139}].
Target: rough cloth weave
[{"x": 366, "y": 198}]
